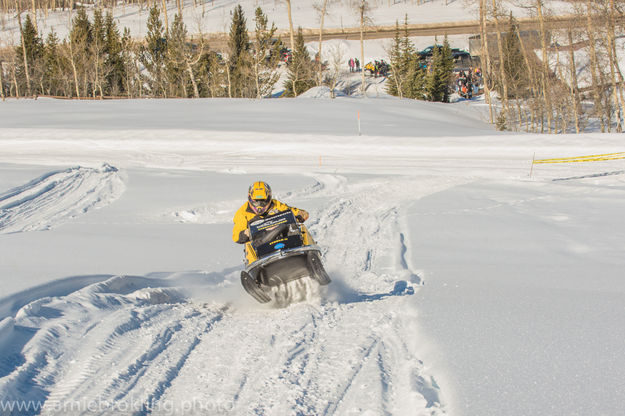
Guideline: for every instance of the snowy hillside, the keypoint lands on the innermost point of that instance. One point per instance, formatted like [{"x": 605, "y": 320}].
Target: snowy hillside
[
  {"x": 214, "y": 16},
  {"x": 461, "y": 286}
]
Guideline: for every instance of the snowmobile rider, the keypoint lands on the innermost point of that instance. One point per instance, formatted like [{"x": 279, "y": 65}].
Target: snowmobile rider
[{"x": 259, "y": 204}]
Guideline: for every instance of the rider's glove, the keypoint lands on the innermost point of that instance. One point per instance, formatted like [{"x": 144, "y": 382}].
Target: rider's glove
[
  {"x": 244, "y": 236},
  {"x": 302, "y": 216}
]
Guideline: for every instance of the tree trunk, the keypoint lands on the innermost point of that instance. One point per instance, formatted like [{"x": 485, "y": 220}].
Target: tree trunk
[
  {"x": 17, "y": 88},
  {"x": 621, "y": 81},
  {"x": 256, "y": 77},
  {"x": 593, "y": 64},
  {"x": 362, "y": 46},
  {"x": 1, "y": 82},
  {"x": 574, "y": 83},
  {"x": 229, "y": 81},
  {"x": 34, "y": 7},
  {"x": 26, "y": 69},
  {"x": 165, "y": 17},
  {"x": 74, "y": 71},
  {"x": 320, "y": 62},
  {"x": 613, "y": 62},
  {"x": 502, "y": 72},
  {"x": 288, "y": 7},
  {"x": 545, "y": 72},
  {"x": 485, "y": 56},
  {"x": 531, "y": 74}
]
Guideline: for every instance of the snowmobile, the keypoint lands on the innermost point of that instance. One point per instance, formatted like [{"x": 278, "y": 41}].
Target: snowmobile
[{"x": 280, "y": 250}]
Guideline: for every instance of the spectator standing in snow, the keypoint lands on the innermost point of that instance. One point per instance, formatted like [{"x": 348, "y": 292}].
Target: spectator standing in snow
[
  {"x": 350, "y": 63},
  {"x": 357, "y": 65}
]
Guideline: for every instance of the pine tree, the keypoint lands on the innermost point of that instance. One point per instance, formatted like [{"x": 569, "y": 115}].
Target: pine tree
[
  {"x": 52, "y": 66},
  {"x": 407, "y": 78},
  {"x": 129, "y": 53},
  {"x": 438, "y": 79},
  {"x": 114, "y": 62},
  {"x": 82, "y": 31},
  {"x": 153, "y": 54},
  {"x": 300, "y": 69},
  {"x": 98, "y": 53},
  {"x": 240, "y": 60},
  {"x": 415, "y": 87},
  {"x": 212, "y": 71},
  {"x": 396, "y": 78},
  {"x": 515, "y": 68},
  {"x": 29, "y": 55},
  {"x": 266, "y": 55},
  {"x": 81, "y": 38},
  {"x": 176, "y": 59}
]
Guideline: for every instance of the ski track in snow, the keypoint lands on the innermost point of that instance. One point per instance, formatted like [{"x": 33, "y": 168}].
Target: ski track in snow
[
  {"x": 57, "y": 197},
  {"x": 141, "y": 345}
]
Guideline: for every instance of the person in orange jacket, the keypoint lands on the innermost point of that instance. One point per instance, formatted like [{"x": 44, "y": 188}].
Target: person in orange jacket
[{"x": 260, "y": 204}]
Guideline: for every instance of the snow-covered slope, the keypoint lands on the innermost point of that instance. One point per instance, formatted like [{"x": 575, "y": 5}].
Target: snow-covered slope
[
  {"x": 57, "y": 196},
  {"x": 461, "y": 285}
]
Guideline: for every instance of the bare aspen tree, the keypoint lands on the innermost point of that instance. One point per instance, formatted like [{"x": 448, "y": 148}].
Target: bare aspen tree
[
  {"x": 2, "y": 79},
  {"x": 594, "y": 64},
  {"x": 228, "y": 76},
  {"x": 574, "y": 84},
  {"x": 291, "y": 32},
  {"x": 618, "y": 104},
  {"x": 545, "y": 71},
  {"x": 485, "y": 58},
  {"x": 322, "y": 14},
  {"x": 72, "y": 58},
  {"x": 529, "y": 118},
  {"x": 363, "y": 10},
  {"x": 502, "y": 72},
  {"x": 336, "y": 65},
  {"x": 560, "y": 99},
  {"x": 533, "y": 84},
  {"x": 196, "y": 91},
  {"x": 72, "y": 61},
  {"x": 166, "y": 21},
  {"x": 26, "y": 69},
  {"x": 34, "y": 12},
  {"x": 14, "y": 77}
]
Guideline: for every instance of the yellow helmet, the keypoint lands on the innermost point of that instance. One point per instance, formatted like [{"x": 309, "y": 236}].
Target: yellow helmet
[{"x": 259, "y": 196}]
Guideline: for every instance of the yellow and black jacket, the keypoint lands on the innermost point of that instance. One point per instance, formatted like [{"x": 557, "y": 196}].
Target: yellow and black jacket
[{"x": 245, "y": 215}]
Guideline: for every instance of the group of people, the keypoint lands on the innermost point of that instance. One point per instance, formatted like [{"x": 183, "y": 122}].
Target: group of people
[
  {"x": 378, "y": 68},
  {"x": 354, "y": 65},
  {"x": 468, "y": 82}
]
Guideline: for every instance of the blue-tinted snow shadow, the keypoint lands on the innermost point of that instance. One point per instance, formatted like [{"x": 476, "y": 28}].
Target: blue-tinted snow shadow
[
  {"x": 594, "y": 175},
  {"x": 342, "y": 293},
  {"x": 9, "y": 305}
]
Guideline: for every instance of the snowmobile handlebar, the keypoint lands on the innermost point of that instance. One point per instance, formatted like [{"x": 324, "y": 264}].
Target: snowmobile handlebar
[{"x": 269, "y": 235}]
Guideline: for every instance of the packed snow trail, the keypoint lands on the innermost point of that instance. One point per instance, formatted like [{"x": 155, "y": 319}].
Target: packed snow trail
[
  {"x": 57, "y": 197},
  {"x": 195, "y": 342}
]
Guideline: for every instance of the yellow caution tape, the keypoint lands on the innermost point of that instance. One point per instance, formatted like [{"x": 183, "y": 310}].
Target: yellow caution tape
[{"x": 591, "y": 158}]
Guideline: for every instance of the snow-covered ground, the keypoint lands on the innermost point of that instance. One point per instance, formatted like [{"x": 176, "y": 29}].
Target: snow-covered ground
[
  {"x": 461, "y": 286},
  {"x": 210, "y": 16}
]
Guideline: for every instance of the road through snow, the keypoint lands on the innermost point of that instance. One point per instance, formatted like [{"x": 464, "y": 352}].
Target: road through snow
[{"x": 189, "y": 342}]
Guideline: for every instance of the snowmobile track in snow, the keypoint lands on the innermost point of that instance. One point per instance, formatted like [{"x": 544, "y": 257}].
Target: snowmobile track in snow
[
  {"x": 142, "y": 344},
  {"x": 57, "y": 197}
]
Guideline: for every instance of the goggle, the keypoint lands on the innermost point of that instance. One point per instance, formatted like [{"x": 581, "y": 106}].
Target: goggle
[{"x": 259, "y": 203}]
